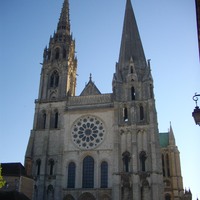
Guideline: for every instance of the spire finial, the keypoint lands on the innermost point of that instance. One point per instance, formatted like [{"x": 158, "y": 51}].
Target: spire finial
[{"x": 90, "y": 77}]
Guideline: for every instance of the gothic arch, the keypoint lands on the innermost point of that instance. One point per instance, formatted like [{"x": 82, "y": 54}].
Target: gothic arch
[
  {"x": 86, "y": 196},
  {"x": 69, "y": 197}
]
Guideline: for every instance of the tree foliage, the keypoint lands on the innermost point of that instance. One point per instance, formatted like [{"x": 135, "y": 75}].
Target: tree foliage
[{"x": 2, "y": 181}]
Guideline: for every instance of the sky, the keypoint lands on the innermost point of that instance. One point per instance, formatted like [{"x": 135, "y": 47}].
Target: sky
[{"x": 169, "y": 36}]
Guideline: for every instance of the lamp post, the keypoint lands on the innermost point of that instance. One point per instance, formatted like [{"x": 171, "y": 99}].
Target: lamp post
[{"x": 196, "y": 112}]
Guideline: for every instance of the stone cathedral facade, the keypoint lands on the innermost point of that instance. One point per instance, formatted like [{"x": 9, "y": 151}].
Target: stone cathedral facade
[{"x": 100, "y": 146}]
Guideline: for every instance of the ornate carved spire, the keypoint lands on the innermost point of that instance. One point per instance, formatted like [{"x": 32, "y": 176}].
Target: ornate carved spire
[{"x": 64, "y": 22}]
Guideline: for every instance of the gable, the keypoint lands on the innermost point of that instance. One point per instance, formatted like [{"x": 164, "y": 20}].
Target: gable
[{"x": 90, "y": 89}]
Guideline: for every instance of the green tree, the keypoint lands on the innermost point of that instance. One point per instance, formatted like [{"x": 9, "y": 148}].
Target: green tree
[{"x": 2, "y": 181}]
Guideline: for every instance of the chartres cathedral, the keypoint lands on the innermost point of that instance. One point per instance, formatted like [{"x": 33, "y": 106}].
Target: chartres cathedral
[{"x": 100, "y": 146}]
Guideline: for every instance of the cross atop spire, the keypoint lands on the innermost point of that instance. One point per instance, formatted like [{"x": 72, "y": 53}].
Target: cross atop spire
[
  {"x": 64, "y": 22},
  {"x": 131, "y": 45}
]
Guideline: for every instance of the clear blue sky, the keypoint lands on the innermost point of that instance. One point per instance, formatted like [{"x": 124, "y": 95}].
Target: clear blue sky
[{"x": 169, "y": 36}]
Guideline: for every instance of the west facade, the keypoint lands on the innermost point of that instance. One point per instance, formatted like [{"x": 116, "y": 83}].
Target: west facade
[{"x": 100, "y": 146}]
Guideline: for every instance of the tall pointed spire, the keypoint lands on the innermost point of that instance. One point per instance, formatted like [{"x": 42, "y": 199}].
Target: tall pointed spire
[
  {"x": 171, "y": 136},
  {"x": 131, "y": 45},
  {"x": 64, "y": 21}
]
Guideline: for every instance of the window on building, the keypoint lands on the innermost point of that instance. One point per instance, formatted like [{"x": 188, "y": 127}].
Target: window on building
[
  {"x": 131, "y": 69},
  {"x": 54, "y": 120},
  {"x": 168, "y": 166},
  {"x": 57, "y": 53},
  {"x": 71, "y": 175},
  {"x": 141, "y": 112},
  {"x": 167, "y": 197},
  {"x": 163, "y": 165},
  {"x": 51, "y": 167},
  {"x": 104, "y": 174},
  {"x": 143, "y": 158},
  {"x": 132, "y": 93},
  {"x": 54, "y": 79},
  {"x": 151, "y": 90},
  {"x": 88, "y": 172},
  {"x": 38, "y": 166},
  {"x": 126, "y": 160},
  {"x": 125, "y": 114}
]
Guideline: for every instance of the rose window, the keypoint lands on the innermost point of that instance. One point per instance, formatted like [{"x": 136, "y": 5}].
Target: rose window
[{"x": 88, "y": 132}]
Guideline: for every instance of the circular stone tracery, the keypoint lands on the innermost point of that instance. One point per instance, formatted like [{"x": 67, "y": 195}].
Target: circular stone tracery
[{"x": 88, "y": 132}]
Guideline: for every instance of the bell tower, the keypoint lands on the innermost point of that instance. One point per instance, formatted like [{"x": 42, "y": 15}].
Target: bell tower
[
  {"x": 58, "y": 75},
  {"x": 137, "y": 146}
]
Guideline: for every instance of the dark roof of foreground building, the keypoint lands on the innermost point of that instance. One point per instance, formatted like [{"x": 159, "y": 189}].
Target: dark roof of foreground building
[
  {"x": 13, "y": 195},
  {"x": 13, "y": 169}
]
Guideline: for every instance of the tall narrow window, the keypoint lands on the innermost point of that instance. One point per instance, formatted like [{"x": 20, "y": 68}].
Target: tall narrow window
[
  {"x": 54, "y": 79},
  {"x": 51, "y": 167},
  {"x": 56, "y": 120},
  {"x": 142, "y": 161},
  {"x": 104, "y": 174},
  {"x": 151, "y": 90},
  {"x": 163, "y": 165},
  {"x": 44, "y": 116},
  {"x": 132, "y": 93},
  {"x": 126, "y": 160},
  {"x": 125, "y": 114},
  {"x": 131, "y": 69},
  {"x": 88, "y": 172},
  {"x": 38, "y": 165},
  {"x": 168, "y": 167},
  {"x": 71, "y": 175},
  {"x": 141, "y": 112},
  {"x": 57, "y": 53}
]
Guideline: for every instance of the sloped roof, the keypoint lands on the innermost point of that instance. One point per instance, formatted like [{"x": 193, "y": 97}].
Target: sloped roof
[
  {"x": 164, "y": 139},
  {"x": 90, "y": 89}
]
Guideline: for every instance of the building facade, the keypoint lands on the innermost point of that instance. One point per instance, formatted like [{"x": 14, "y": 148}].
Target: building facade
[{"x": 99, "y": 146}]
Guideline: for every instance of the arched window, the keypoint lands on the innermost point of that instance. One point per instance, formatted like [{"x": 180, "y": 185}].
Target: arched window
[
  {"x": 104, "y": 174},
  {"x": 50, "y": 192},
  {"x": 38, "y": 166},
  {"x": 141, "y": 112},
  {"x": 167, "y": 197},
  {"x": 88, "y": 172},
  {"x": 143, "y": 158},
  {"x": 132, "y": 93},
  {"x": 57, "y": 53},
  {"x": 126, "y": 160},
  {"x": 51, "y": 167},
  {"x": 71, "y": 175},
  {"x": 54, "y": 79},
  {"x": 125, "y": 114}
]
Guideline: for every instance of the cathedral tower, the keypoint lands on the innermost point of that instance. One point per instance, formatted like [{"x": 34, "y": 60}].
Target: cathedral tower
[{"x": 135, "y": 114}]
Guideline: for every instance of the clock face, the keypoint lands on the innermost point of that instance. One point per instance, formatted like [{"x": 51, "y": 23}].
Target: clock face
[{"x": 88, "y": 132}]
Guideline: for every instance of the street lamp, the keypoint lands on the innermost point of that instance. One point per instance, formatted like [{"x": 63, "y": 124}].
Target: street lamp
[{"x": 196, "y": 112}]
